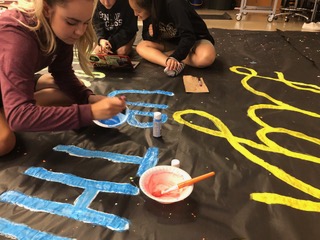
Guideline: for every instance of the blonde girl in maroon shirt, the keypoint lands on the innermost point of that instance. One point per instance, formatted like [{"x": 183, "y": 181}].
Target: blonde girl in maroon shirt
[{"x": 36, "y": 34}]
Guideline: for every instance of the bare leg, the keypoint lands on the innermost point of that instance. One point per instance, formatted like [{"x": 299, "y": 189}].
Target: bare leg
[
  {"x": 126, "y": 49},
  {"x": 52, "y": 97},
  {"x": 7, "y": 137},
  {"x": 202, "y": 55},
  {"x": 153, "y": 52},
  {"x": 47, "y": 93},
  {"x": 45, "y": 81}
]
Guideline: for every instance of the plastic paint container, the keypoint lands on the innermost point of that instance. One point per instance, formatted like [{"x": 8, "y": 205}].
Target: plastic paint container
[
  {"x": 175, "y": 163},
  {"x": 115, "y": 121},
  {"x": 156, "y": 124}
]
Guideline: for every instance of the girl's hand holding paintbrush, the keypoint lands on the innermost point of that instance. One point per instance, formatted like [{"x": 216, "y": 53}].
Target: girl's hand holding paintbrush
[{"x": 106, "y": 107}]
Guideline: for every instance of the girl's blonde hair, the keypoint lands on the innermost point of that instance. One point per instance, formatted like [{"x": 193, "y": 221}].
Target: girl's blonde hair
[{"x": 35, "y": 8}]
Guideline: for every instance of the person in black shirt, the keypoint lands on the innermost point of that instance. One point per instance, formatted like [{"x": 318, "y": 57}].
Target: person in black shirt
[
  {"x": 116, "y": 27},
  {"x": 173, "y": 35}
]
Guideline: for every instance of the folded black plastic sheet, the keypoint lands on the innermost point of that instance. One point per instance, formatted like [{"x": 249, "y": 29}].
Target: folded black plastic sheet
[
  {"x": 257, "y": 128},
  {"x": 306, "y": 43}
]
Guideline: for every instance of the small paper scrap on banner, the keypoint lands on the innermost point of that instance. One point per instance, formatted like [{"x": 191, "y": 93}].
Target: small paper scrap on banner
[{"x": 194, "y": 84}]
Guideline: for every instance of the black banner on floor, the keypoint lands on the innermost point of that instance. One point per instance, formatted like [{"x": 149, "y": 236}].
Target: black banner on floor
[{"x": 257, "y": 128}]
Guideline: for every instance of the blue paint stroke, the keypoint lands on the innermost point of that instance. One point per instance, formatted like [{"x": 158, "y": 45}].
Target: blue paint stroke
[
  {"x": 80, "y": 210},
  {"x": 149, "y": 105},
  {"x": 118, "y": 92},
  {"x": 74, "y": 181},
  {"x": 114, "y": 157},
  {"x": 149, "y": 160},
  {"x": 84, "y": 200},
  {"x": 66, "y": 210},
  {"x": 133, "y": 121},
  {"x": 91, "y": 187},
  {"x": 21, "y": 231}
]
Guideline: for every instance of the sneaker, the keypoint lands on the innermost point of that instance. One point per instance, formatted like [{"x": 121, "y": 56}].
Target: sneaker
[{"x": 173, "y": 73}]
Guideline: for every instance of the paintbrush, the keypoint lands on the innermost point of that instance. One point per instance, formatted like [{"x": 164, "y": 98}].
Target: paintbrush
[
  {"x": 183, "y": 184},
  {"x": 124, "y": 99}
]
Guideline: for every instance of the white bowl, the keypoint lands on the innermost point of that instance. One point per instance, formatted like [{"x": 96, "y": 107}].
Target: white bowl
[
  {"x": 115, "y": 121},
  {"x": 159, "y": 178}
]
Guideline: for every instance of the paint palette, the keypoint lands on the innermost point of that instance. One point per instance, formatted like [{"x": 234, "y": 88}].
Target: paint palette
[
  {"x": 115, "y": 121},
  {"x": 162, "y": 177}
]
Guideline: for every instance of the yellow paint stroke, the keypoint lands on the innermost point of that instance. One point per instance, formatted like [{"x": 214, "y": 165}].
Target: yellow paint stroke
[
  {"x": 271, "y": 198},
  {"x": 266, "y": 144},
  {"x": 80, "y": 74}
]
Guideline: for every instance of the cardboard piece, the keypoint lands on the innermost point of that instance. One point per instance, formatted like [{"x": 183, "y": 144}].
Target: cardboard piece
[{"x": 194, "y": 84}]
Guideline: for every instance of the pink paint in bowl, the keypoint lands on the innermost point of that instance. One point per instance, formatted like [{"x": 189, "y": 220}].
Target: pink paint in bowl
[{"x": 162, "y": 177}]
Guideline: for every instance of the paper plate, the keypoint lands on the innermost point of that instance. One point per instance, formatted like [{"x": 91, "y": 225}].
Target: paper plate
[
  {"x": 115, "y": 121},
  {"x": 167, "y": 176}
]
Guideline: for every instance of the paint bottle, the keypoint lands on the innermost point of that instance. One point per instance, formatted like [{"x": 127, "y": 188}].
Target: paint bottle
[
  {"x": 156, "y": 124},
  {"x": 175, "y": 163}
]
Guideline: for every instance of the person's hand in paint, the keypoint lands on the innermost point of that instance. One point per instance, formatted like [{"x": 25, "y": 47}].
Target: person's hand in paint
[{"x": 103, "y": 107}]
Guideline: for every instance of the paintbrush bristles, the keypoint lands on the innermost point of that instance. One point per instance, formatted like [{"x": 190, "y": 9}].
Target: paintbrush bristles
[
  {"x": 183, "y": 184},
  {"x": 170, "y": 189}
]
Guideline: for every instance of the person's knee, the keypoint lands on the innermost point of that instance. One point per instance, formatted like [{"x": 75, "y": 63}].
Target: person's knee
[
  {"x": 203, "y": 54},
  {"x": 45, "y": 81},
  {"x": 47, "y": 78},
  {"x": 52, "y": 97},
  {"x": 141, "y": 46},
  {"x": 7, "y": 142},
  {"x": 204, "y": 61},
  {"x": 124, "y": 50},
  {"x": 138, "y": 48}
]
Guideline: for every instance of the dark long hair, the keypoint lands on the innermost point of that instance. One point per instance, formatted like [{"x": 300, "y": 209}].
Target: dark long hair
[{"x": 156, "y": 8}]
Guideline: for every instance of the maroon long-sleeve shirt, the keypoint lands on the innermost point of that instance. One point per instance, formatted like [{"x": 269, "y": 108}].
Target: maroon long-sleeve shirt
[{"x": 20, "y": 59}]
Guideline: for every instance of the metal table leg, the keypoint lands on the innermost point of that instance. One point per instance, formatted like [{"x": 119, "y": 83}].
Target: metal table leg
[{"x": 314, "y": 11}]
